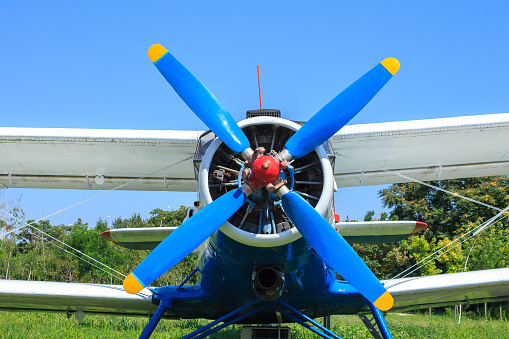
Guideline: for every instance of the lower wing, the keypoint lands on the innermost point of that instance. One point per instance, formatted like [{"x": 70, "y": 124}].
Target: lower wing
[{"x": 409, "y": 293}]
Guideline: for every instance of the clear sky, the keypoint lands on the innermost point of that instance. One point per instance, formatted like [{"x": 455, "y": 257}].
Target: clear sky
[{"x": 84, "y": 64}]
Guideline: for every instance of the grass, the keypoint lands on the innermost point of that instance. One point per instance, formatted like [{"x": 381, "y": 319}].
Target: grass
[{"x": 56, "y": 325}]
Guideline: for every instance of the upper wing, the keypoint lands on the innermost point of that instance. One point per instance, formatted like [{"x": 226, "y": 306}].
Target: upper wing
[
  {"x": 72, "y": 297},
  {"x": 72, "y": 158},
  {"x": 422, "y": 149},
  {"x": 450, "y": 289},
  {"x": 434, "y": 149}
]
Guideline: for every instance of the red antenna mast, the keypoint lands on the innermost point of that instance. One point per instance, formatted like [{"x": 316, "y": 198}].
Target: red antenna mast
[{"x": 259, "y": 86}]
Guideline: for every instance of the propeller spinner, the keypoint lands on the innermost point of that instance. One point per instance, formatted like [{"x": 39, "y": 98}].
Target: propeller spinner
[{"x": 262, "y": 171}]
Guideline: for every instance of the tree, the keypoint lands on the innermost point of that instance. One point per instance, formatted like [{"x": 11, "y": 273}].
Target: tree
[
  {"x": 134, "y": 221},
  {"x": 158, "y": 217},
  {"x": 450, "y": 217},
  {"x": 447, "y": 215},
  {"x": 488, "y": 250},
  {"x": 419, "y": 250},
  {"x": 43, "y": 251},
  {"x": 384, "y": 259}
]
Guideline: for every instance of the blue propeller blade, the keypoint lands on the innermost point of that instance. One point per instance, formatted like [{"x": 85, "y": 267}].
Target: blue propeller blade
[
  {"x": 340, "y": 110},
  {"x": 199, "y": 99},
  {"x": 334, "y": 250},
  {"x": 184, "y": 240}
]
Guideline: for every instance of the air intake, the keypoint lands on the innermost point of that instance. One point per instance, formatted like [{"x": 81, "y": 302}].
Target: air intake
[{"x": 263, "y": 113}]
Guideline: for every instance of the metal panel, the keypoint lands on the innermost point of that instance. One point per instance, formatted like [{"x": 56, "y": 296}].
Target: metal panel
[
  {"x": 70, "y": 297},
  {"x": 422, "y": 149},
  {"x": 374, "y": 228},
  {"x": 450, "y": 289},
  {"x": 72, "y": 158},
  {"x": 409, "y": 293},
  {"x": 365, "y": 232}
]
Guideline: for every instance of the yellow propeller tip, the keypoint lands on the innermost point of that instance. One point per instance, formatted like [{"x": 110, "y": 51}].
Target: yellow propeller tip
[
  {"x": 155, "y": 52},
  {"x": 385, "y": 301},
  {"x": 132, "y": 285},
  {"x": 392, "y": 65}
]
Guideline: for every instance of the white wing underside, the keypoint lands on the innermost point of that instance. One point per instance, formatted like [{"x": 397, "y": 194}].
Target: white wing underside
[
  {"x": 72, "y": 158},
  {"x": 422, "y": 149},
  {"x": 434, "y": 149},
  {"x": 71, "y": 297},
  {"x": 409, "y": 293},
  {"x": 466, "y": 289}
]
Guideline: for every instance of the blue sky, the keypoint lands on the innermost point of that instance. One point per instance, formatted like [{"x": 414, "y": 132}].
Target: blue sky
[{"x": 84, "y": 64}]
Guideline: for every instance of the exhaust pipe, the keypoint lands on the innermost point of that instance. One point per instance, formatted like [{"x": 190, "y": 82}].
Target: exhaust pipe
[{"x": 268, "y": 282}]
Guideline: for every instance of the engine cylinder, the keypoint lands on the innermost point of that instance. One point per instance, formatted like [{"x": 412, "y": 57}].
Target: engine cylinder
[{"x": 262, "y": 222}]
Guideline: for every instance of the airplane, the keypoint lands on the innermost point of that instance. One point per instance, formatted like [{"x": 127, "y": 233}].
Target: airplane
[{"x": 272, "y": 249}]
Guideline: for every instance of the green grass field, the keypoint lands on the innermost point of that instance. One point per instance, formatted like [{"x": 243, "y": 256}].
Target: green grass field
[{"x": 46, "y": 325}]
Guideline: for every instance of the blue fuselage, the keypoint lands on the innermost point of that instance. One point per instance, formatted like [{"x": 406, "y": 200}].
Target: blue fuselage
[{"x": 226, "y": 282}]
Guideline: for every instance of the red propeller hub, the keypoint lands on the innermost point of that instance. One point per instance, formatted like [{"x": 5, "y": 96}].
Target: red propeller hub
[{"x": 264, "y": 170}]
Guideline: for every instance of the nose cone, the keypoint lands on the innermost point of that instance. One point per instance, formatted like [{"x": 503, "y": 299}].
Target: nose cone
[{"x": 265, "y": 169}]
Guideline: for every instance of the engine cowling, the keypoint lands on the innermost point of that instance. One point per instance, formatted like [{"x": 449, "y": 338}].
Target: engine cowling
[{"x": 262, "y": 222}]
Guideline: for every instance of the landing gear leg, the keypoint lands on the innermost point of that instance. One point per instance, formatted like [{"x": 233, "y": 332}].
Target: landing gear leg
[
  {"x": 378, "y": 319},
  {"x": 209, "y": 329},
  {"x": 326, "y": 322},
  {"x": 147, "y": 331},
  {"x": 317, "y": 328}
]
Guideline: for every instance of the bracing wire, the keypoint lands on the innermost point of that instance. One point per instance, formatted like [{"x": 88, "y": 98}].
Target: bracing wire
[
  {"x": 97, "y": 196},
  {"x": 31, "y": 225},
  {"x": 418, "y": 181},
  {"x": 66, "y": 245},
  {"x": 435, "y": 255},
  {"x": 90, "y": 263}
]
